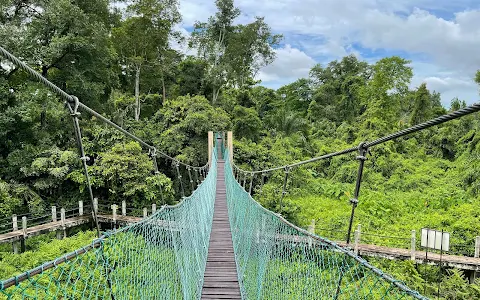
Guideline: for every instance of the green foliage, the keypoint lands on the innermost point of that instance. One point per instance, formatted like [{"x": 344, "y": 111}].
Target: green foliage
[
  {"x": 117, "y": 60},
  {"x": 234, "y": 53},
  {"x": 246, "y": 122},
  {"x": 125, "y": 173},
  {"x": 46, "y": 250},
  {"x": 181, "y": 127}
]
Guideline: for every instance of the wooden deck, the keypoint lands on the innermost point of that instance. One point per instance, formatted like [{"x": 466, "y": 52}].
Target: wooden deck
[
  {"x": 18, "y": 235},
  {"x": 221, "y": 280},
  {"x": 447, "y": 260},
  {"x": 43, "y": 228}
]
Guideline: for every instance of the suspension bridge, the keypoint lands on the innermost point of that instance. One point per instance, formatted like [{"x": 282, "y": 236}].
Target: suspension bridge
[{"x": 217, "y": 243}]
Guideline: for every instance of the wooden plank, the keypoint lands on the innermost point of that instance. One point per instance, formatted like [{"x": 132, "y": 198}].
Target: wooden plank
[{"x": 221, "y": 279}]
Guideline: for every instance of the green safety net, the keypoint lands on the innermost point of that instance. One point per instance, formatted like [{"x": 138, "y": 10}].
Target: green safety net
[
  {"x": 277, "y": 260},
  {"x": 161, "y": 257}
]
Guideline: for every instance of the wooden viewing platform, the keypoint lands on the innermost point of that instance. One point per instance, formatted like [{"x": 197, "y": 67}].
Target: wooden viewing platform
[
  {"x": 447, "y": 260},
  {"x": 29, "y": 232},
  {"x": 221, "y": 279}
]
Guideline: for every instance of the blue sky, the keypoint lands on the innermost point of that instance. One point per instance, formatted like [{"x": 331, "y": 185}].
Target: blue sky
[{"x": 441, "y": 38}]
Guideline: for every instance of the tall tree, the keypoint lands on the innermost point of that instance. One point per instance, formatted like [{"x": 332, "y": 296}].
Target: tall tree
[
  {"x": 338, "y": 85},
  {"x": 142, "y": 39},
  {"x": 66, "y": 41},
  {"x": 234, "y": 53},
  {"x": 422, "y": 105},
  {"x": 383, "y": 93},
  {"x": 191, "y": 77}
]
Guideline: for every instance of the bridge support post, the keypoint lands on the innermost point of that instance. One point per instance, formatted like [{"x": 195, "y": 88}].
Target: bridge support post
[
  {"x": 230, "y": 146},
  {"x": 154, "y": 208},
  {"x": 23, "y": 248},
  {"x": 124, "y": 208},
  {"x": 412, "y": 246},
  {"x": 80, "y": 208},
  {"x": 210, "y": 147},
  {"x": 145, "y": 212},
  {"x": 471, "y": 275},
  {"x": 362, "y": 152},
  {"x": 357, "y": 238},
  {"x": 15, "y": 247}
]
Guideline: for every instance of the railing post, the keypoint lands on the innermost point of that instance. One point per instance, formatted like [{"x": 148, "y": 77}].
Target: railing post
[
  {"x": 124, "y": 208},
  {"x": 230, "y": 146},
  {"x": 154, "y": 208},
  {"x": 357, "y": 238},
  {"x": 477, "y": 247},
  {"x": 22, "y": 240},
  {"x": 190, "y": 178},
  {"x": 63, "y": 217},
  {"x": 114, "y": 214},
  {"x": 145, "y": 212},
  {"x": 210, "y": 147},
  {"x": 15, "y": 222},
  {"x": 95, "y": 205},
  {"x": 80, "y": 208},
  {"x": 54, "y": 214},
  {"x": 251, "y": 184},
  {"x": 24, "y": 225},
  {"x": 412, "y": 246},
  {"x": 362, "y": 152},
  {"x": 15, "y": 228}
]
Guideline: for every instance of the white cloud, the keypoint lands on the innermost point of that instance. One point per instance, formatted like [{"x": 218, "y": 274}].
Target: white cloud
[
  {"x": 445, "y": 34},
  {"x": 196, "y": 10},
  {"x": 182, "y": 46},
  {"x": 445, "y": 81},
  {"x": 290, "y": 64}
]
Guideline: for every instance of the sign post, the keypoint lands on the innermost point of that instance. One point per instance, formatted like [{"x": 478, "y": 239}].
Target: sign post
[{"x": 436, "y": 240}]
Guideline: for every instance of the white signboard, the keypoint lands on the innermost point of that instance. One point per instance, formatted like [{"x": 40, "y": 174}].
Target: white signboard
[{"x": 435, "y": 239}]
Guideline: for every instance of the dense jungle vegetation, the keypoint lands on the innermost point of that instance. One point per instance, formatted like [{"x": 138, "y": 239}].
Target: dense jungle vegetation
[{"x": 121, "y": 61}]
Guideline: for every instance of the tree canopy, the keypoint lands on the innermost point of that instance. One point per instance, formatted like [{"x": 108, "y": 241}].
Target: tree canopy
[{"x": 121, "y": 61}]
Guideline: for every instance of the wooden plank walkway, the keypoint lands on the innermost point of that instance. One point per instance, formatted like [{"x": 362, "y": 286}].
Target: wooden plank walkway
[
  {"x": 221, "y": 280},
  {"x": 43, "y": 228},
  {"x": 18, "y": 235},
  {"x": 448, "y": 260}
]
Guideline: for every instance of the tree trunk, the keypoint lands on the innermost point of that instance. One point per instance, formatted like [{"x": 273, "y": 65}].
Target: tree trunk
[{"x": 137, "y": 94}]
